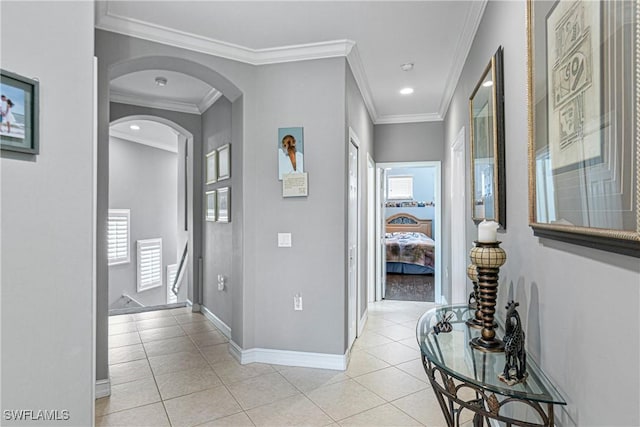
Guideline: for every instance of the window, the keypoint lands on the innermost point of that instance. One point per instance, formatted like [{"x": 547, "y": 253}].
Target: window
[
  {"x": 400, "y": 187},
  {"x": 118, "y": 236},
  {"x": 149, "y": 264}
]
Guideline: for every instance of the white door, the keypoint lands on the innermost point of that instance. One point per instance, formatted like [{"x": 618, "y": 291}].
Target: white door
[
  {"x": 352, "y": 261},
  {"x": 371, "y": 230}
]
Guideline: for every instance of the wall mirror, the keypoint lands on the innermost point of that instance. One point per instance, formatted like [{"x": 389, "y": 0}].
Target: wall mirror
[
  {"x": 583, "y": 123},
  {"x": 486, "y": 111}
]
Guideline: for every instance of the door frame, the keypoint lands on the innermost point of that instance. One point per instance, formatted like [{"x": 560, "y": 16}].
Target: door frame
[
  {"x": 458, "y": 257},
  {"x": 437, "y": 230},
  {"x": 356, "y": 305},
  {"x": 371, "y": 229}
]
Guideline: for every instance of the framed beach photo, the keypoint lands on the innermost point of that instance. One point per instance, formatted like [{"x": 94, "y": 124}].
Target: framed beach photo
[
  {"x": 19, "y": 113},
  {"x": 224, "y": 162},
  {"x": 210, "y": 206},
  {"x": 290, "y": 150},
  {"x": 224, "y": 204},
  {"x": 212, "y": 167}
]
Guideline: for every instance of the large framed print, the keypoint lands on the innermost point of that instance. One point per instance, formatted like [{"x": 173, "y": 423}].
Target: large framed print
[
  {"x": 224, "y": 162},
  {"x": 583, "y": 93},
  {"x": 19, "y": 113},
  {"x": 212, "y": 167},
  {"x": 223, "y": 204}
]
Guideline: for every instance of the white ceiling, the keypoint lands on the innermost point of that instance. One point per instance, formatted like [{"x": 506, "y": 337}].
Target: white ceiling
[
  {"x": 375, "y": 36},
  {"x": 151, "y": 133}
]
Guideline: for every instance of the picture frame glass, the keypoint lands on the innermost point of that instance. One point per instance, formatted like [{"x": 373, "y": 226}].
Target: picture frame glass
[
  {"x": 18, "y": 113},
  {"x": 212, "y": 167},
  {"x": 211, "y": 201},
  {"x": 583, "y": 133},
  {"x": 224, "y": 205},
  {"x": 224, "y": 162}
]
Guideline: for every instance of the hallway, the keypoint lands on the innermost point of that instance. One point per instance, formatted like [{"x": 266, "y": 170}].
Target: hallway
[{"x": 173, "y": 368}]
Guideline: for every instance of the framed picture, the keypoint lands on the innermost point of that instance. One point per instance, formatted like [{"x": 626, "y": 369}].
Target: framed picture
[
  {"x": 224, "y": 204},
  {"x": 584, "y": 138},
  {"x": 224, "y": 162},
  {"x": 19, "y": 113},
  {"x": 290, "y": 151},
  {"x": 212, "y": 167},
  {"x": 210, "y": 205}
]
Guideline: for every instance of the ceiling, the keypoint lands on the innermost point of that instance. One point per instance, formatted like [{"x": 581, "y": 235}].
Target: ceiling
[
  {"x": 376, "y": 37},
  {"x": 148, "y": 132}
]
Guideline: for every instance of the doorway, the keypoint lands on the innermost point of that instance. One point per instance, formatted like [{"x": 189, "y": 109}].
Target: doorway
[
  {"x": 409, "y": 220},
  {"x": 147, "y": 230}
]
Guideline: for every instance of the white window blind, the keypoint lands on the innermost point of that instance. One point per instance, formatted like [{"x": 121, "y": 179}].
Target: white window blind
[
  {"x": 172, "y": 270},
  {"x": 149, "y": 264},
  {"x": 400, "y": 187},
  {"x": 118, "y": 236}
]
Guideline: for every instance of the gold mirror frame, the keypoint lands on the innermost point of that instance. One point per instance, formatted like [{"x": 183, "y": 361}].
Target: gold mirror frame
[
  {"x": 492, "y": 196},
  {"x": 601, "y": 148}
]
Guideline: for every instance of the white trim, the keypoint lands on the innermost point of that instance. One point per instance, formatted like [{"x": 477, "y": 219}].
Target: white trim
[
  {"x": 354, "y": 61},
  {"x": 106, "y": 20},
  {"x": 409, "y": 118},
  {"x": 289, "y": 358},
  {"x": 209, "y": 99},
  {"x": 470, "y": 27},
  {"x": 113, "y": 133},
  {"x": 144, "y": 101},
  {"x": 103, "y": 388},
  {"x": 94, "y": 239},
  {"x": 217, "y": 322}
]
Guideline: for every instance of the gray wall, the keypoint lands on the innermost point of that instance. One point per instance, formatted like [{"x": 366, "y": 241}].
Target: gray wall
[
  {"x": 218, "y": 237},
  {"x": 409, "y": 142},
  {"x": 47, "y": 218},
  {"x": 565, "y": 291},
  {"x": 144, "y": 180},
  {"x": 359, "y": 120}
]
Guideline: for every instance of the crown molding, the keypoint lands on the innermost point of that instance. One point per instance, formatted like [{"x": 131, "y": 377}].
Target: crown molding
[
  {"x": 144, "y": 141},
  {"x": 408, "y": 118},
  {"x": 209, "y": 99},
  {"x": 355, "y": 63},
  {"x": 109, "y": 21},
  {"x": 471, "y": 24},
  {"x": 141, "y": 101}
]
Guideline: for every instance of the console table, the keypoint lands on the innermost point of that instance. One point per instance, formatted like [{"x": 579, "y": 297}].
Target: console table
[{"x": 464, "y": 378}]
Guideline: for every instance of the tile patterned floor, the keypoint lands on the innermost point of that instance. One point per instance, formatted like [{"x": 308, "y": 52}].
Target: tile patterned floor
[{"x": 173, "y": 368}]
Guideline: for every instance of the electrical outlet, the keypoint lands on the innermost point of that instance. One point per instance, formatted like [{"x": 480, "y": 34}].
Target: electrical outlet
[
  {"x": 297, "y": 302},
  {"x": 221, "y": 280}
]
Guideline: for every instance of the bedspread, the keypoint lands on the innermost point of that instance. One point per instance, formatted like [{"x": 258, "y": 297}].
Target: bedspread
[{"x": 410, "y": 248}]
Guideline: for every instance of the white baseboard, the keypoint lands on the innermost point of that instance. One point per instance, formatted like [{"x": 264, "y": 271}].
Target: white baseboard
[
  {"x": 103, "y": 388},
  {"x": 289, "y": 358},
  {"x": 224, "y": 328}
]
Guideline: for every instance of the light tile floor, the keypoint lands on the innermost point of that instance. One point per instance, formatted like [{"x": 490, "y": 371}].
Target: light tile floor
[{"x": 173, "y": 368}]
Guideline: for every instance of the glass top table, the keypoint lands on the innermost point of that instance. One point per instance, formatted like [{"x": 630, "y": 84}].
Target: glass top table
[{"x": 453, "y": 356}]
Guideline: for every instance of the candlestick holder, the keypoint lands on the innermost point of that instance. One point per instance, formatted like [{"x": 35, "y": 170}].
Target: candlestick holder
[
  {"x": 488, "y": 257},
  {"x": 476, "y": 320}
]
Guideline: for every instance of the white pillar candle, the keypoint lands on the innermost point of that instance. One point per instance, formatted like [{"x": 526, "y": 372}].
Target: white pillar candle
[{"x": 488, "y": 231}]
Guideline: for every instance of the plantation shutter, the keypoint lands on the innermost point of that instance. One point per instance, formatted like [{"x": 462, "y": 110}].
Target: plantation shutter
[
  {"x": 400, "y": 187},
  {"x": 118, "y": 236},
  {"x": 149, "y": 264}
]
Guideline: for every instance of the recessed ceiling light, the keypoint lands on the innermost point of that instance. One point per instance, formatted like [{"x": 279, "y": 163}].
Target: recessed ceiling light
[
  {"x": 406, "y": 91},
  {"x": 134, "y": 127},
  {"x": 161, "y": 81},
  {"x": 488, "y": 83},
  {"x": 407, "y": 67}
]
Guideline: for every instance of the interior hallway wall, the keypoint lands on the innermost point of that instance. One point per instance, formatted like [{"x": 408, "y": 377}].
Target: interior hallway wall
[
  {"x": 409, "y": 142},
  {"x": 48, "y": 218},
  {"x": 564, "y": 290},
  {"x": 144, "y": 180}
]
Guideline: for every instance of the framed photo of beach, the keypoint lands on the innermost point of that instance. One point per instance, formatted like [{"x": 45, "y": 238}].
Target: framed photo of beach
[{"x": 19, "y": 113}]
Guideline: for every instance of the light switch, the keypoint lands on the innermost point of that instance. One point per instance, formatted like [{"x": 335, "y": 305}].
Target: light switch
[{"x": 284, "y": 240}]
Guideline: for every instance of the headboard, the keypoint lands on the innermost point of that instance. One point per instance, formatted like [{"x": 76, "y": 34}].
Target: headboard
[{"x": 406, "y": 223}]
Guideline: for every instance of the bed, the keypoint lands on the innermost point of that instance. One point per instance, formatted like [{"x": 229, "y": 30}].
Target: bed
[{"x": 410, "y": 248}]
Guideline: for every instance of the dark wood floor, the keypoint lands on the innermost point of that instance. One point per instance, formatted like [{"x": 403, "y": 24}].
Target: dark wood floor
[{"x": 410, "y": 287}]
